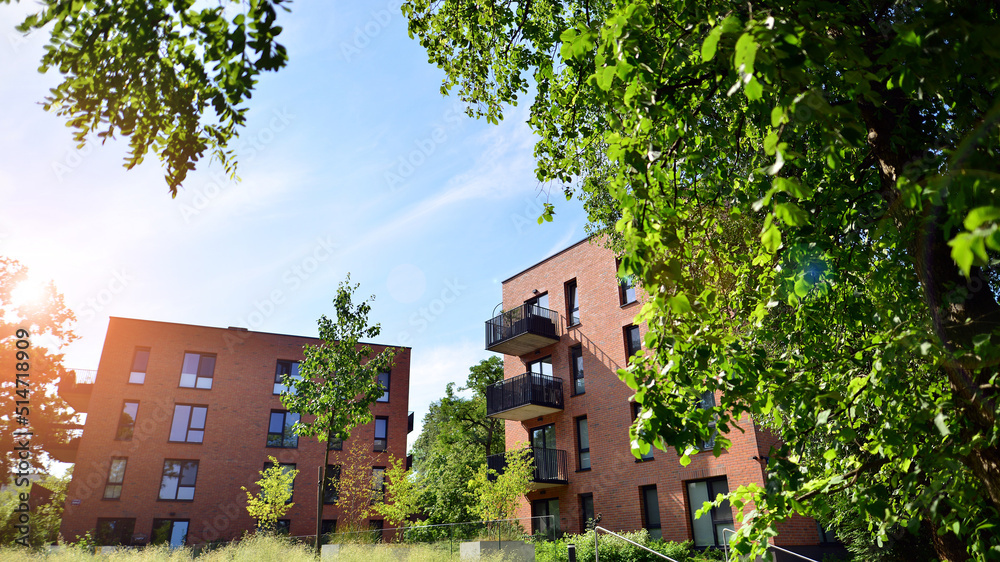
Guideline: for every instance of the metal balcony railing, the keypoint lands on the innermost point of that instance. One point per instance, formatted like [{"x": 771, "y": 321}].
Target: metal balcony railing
[
  {"x": 551, "y": 465},
  {"x": 533, "y": 394},
  {"x": 522, "y": 329}
]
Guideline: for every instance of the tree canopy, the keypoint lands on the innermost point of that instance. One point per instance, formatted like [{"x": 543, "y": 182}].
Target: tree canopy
[{"x": 808, "y": 191}]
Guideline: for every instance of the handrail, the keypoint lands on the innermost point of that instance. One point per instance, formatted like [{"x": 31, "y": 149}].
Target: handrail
[
  {"x": 725, "y": 547},
  {"x": 596, "y": 555}
]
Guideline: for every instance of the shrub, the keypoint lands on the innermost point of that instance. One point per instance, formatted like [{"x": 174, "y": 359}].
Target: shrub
[{"x": 616, "y": 550}]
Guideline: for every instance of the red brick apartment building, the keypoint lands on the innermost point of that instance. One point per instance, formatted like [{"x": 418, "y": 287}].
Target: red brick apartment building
[
  {"x": 180, "y": 417},
  {"x": 567, "y": 329}
]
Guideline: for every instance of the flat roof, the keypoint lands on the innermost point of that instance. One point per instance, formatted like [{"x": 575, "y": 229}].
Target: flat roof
[{"x": 530, "y": 267}]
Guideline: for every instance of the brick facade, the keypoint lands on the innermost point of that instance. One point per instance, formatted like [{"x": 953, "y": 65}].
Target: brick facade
[
  {"x": 616, "y": 479},
  {"x": 234, "y": 448}
]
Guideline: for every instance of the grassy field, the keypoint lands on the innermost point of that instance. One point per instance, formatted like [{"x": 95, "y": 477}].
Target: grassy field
[{"x": 252, "y": 549}]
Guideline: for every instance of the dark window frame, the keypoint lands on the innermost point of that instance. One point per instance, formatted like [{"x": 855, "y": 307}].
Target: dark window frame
[
  {"x": 292, "y": 372},
  {"x": 384, "y": 445},
  {"x": 108, "y": 483},
  {"x": 540, "y": 361},
  {"x": 188, "y": 428},
  {"x": 572, "y": 291},
  {"x": 708, "y": 401},
  {"x": 283, "y": 439},
  {"x": 124, "y": 538},
  {"x": 635, "y": 407},
  {"x": 717, "y": 514},
  {"x": 170, "y": 531},
  {"x": 182, "y": 464},
  {"x": 200, "y": 370},
  {"x": 145, "y": 366},
  {"x": 126, "y": 429},
  {"x": 580, "y": 449},
  {"x": 385, "y": 387},
  {"x": 627, "y": 336},
  {"x": 378, "y": 493},
  {"x": 332, "y": 488},
  {"x": 576, "y": 369},
  {"x": 542, "y": 427},
  {"x": 583, "y": 510},
  {"x": 648, "y": 523}
]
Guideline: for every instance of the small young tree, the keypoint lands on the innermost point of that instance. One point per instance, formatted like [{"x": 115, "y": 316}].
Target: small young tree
[
  {"x": 402, "y": 495},
  {"x": 498, "y": 493},
  {"x": 272, "y": 501}
]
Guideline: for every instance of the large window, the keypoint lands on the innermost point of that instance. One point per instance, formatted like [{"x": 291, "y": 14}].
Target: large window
[
  {"x": 633, "y": 343},
  {"x": 576, "y": 364},
  {"x": 284, "y": 369},
  {"x": 331, "y": 490},
  {"x": 541, "y": 301},
  {"x": 279, "y": 430},
  {"x": 169, "y": 531},
  {"x": 189, "y": 423},
  {"x": 635, "y": 414},
  {"x": 328, "y": 528},
  {"x": 178, "y": 479},
  {"x": 381, "y": 431},
  {"x": 542, "y": 366},
  {"x": 116, "y": 477},
  {"x": 335, "y": 443},
  {"x": 572, "y": 303},
  {"x": 582, "y": 443},
  {"x": 378, "y": 483},
  {"x": 126, "y": 423},
  {"x": 708, "y": 529},
  {"x": 651, "y": 511},
  {"x": 376, "y": 526},
  {"x": 626, "y": 290},
  {"x": 115, "y": 532},
  {"x": 198, "y": 371},
  {"x": 545, "y": 518},
  {"x": 383, "y": 381},
  {"x": 139, "y": 362},
  {"x": 708, "y": 402},
  {"x": 586, "y": 511}
]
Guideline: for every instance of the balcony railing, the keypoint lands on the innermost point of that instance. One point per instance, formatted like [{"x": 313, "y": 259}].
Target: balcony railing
[
  {"x": 551, "y": 467},
  {"x": 524, "y": 396},
  {"x": 77, "y": 387},
  {"x": 522, "y": 329}
]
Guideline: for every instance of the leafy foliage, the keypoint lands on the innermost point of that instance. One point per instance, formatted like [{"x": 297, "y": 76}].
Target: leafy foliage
[
  {"x": 857, "y": 142},
  {"x": 151, "y": 71},
  {"x": 402, "y": 495},
  {"x": 613, "y": 549},
  {"x": 453, "y": 444},
  {"x": 271, "y": 502},
  {"x": 338, "y": 380},
  {"x": 497, "y": 495}
]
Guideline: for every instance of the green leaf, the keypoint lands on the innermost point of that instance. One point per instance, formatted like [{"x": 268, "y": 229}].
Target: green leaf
[
  {"x": 802, "y": 287},
  {"x": 792, "y": 187},
  {"x": 770, "y": 142},
  {"x": 961, "y": 251},
  {"x": 771, "y": 238},
  {"x": 979, "y": 215},
  {"x": 746, "y": 53},
  {"x": 830, "y": 454},
  {"x": 939, "y": 421},
  {"x": 679, "y": 304},
  {"x": 753, "y": 89},
  {"x": 791, "y": 213},
  {"x": 708, "y": 47}
]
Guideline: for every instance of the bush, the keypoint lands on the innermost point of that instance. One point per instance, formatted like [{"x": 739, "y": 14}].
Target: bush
[{"x": 616, "y": 550}]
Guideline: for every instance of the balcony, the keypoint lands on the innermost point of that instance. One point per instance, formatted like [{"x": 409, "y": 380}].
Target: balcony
[
  {"x": 550, "y": 467},
  {"x": 64, "y": 452},
  {"x": 76, "y": 389},
  {"x": 522, "y": 330},
  {"x": 524, "y": 397}
]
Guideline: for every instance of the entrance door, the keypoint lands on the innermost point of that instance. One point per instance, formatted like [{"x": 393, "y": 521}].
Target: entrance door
[{"x": 545, "y": 518}]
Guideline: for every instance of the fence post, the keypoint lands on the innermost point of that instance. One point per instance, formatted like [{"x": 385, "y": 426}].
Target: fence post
[{"x": 571, "y": 552}]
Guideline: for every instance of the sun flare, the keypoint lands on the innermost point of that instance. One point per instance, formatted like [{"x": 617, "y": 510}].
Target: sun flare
[{"x": 29, "y": 293}]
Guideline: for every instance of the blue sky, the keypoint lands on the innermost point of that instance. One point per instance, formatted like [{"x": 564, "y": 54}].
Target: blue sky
[{"x": 352, "y": 161}]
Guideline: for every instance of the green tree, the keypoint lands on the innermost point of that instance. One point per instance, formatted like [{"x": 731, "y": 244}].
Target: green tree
[
  {"x": 858, "y": 141},
  {"x": 497, "y": 494},
  {"x": 401, "y": 498},
  {"x": 153, "y": 71},
  {"x": 453, "y": 444},
  {"x": 338, "y": 379},
  {"x": 272, "y": 501}
]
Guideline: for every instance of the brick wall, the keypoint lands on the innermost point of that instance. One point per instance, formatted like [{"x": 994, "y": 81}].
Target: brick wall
[{"x": 234, "y": 447}]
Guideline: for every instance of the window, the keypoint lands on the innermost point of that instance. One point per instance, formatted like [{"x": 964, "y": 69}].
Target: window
[
  {"x": 586, "y": 512},
  {"x": 708, "y": 529},
  {"x": 708, "y": 402},
  {"x": 285, "y": 469},
  {"x": 376, "y": 526},
  {"x": 626, "y": 290},
  {"x": 651, "y": 512},
  {"x": 327, "y": 528},
  {"x": 331, "y": 489},
  {"x": 635, "y": 413},
  {"x": 541, "y": 301},
  {"x": 189, "y": 423},
  {"x": 381, "y": 429},
  {"x": 383, "y": 381},
  {"x": 542, "y": 366},
  {"x": 378, "y": 482},
  {"x": 633, "y": 343},
  {"x": 283, "y": 527},
  {"x": 576, "y": 364},
  {"x": 335, "y": 443},
  {"x": 544, "y": 437},
  {"x": 126, "y": 423},
  {"x": 582, "y": 443},
  {"x": 826, "y": 535},
  {"x": 169, "y": 531},
  {"x": 285, "y": 368},
  {"x": 115, "y": 532},
  {"x": 178, "y": 480},
  {"x": 279, "y": 430},
  {"x": 116, "y": 476},
  {"x": 139, "y": 362},
  {"x": 572, "y": 303},
  {"x": 197, "y": 371},
  {"x": 545, "y": 518}
]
